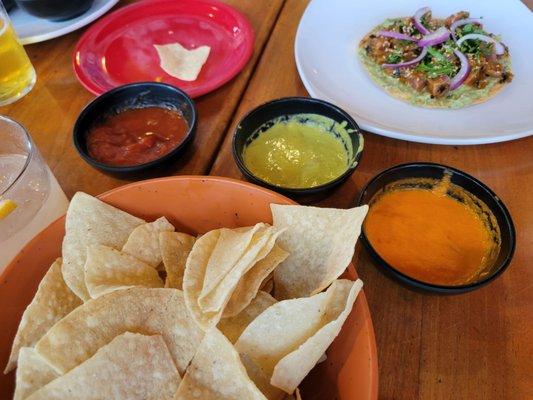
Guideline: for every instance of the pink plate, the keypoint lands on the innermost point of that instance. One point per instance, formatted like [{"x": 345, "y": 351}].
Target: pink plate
[{"x": 119, "y": 48}]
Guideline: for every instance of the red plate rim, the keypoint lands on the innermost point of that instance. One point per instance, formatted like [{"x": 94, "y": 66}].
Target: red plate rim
[{"x": 95, "y": 89}]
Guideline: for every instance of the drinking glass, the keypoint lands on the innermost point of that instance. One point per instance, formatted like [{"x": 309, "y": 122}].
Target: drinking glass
[
  {"x": 17, "y": 75},
  {"x": 27, "y": 184}
]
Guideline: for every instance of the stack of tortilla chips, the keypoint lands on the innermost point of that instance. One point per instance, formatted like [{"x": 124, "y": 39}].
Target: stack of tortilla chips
[{"x": 135, "y": 310}]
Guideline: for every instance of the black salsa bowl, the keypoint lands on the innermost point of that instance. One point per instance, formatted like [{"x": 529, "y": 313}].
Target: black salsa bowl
[
  {"x": 131, "y": 96},
  {"x": 257, "y": 119},
  {"x": 469, "y": 184}
]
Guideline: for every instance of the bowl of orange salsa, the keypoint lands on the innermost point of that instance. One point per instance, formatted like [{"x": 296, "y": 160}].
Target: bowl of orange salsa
[
  {"x": 135, "y": 127},
  {"x": 436, "y": 228}
]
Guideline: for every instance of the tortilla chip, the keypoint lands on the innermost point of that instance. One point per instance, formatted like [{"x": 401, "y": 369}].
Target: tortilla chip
[
  {"x": 250, "y": 283},
  {"x": 233, "y": 327},
  {"x": 80, "y": 334},
  {"x": 90, "y": 221},
  {"x": 295, "y": 396},
  {"x": 143, "y": 242},
  {"x": 175, "y": 249},
  {"x": 194, "y": 277},
  {"x": 261, "y": 245},
  {"x": 208, "y": 313},
  {"x": 291, "y": 370},
  {"x": 288, "y": 338},
  {"x": 181, "y": 63},
  {"x": 108, "y": 269},
  {"x": 130, "y": 367},
  {"x": 52, "y": 302},
  {"x": 321, "y": 244},
  {"x": 261, "y": 379},
  {"x": 216, "y": 373},
  {"x": 268, "y": 284},
  {"x": 32, "y": 373},
  {"x": 231, "y": 246}
]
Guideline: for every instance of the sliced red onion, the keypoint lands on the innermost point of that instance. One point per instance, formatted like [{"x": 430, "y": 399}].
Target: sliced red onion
[
  {"x": 409, "y": 63},
  {"x": 417, "y": 20},
  {"x": 499, "y": 48},
  {"x": 437, "y": 37},
  {"x": 462, "y": 22},
  {"x": 463, "y": 73},
  {"x": 396, "y": 35}
]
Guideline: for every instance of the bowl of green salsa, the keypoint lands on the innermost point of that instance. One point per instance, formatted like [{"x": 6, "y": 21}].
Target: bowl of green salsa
[{"x": 297, "y": 145}]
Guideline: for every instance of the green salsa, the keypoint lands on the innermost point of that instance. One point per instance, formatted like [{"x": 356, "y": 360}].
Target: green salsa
[{"x": 299, "y": 151}]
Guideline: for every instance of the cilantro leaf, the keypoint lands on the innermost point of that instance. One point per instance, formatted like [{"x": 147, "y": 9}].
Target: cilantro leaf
[
  {"x": 471, "y": 28},
  {"x": 436, "y": 54},
  {"x": 394, "y": 57},
  {"x": 436, "y": 64}
]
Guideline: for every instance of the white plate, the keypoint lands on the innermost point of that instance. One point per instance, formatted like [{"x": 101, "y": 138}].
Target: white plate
[
  {"x": 325, "y": 50},
  {"x": 32, "y": 29}
]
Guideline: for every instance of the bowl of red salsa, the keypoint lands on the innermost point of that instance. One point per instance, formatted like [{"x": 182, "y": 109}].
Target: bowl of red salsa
[{"x": 135, "y": 127}]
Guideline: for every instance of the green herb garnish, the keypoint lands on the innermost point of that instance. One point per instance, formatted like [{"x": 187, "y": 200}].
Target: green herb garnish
[
  {"x": 425, "y": 21},
  {"x": 436, "y": 54},
  {"x": 436, "y": 64},
  {"x": 395, "y": 57},
  {"x": 472, "y": 28},
  {"x": 470, "y": 46},
  {"x": 436, "y": 70}
]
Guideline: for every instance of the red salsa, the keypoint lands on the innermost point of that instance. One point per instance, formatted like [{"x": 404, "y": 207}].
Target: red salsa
[{"x": 136, "y": 136}]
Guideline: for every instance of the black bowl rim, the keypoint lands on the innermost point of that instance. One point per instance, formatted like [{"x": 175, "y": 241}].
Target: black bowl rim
[
  {"x": 139, "y": 167},
  {"x": 328, "y": 185},
  {"x": 430, "y": 286}
]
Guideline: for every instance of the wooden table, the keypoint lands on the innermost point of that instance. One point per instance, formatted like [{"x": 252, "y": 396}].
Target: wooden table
[{"x": 473, "y": 346}]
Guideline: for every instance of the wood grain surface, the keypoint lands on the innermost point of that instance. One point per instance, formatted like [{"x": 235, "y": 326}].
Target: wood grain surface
[
  {"x": 49, "y": 111},
  {"x": 473, "y": 346}
]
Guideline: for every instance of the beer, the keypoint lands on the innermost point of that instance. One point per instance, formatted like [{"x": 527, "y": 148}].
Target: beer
[{"x": 17, "y": 75}]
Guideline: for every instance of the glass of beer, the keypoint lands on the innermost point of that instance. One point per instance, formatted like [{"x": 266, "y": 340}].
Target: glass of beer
[{"x": 17, "y": 75}]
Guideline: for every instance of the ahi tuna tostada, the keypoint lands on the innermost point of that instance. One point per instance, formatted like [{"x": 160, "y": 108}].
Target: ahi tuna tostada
[{"x": 436, "y": 63}]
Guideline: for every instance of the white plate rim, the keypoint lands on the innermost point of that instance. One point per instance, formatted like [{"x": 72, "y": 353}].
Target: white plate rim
[{"x": 76, "y": 24}]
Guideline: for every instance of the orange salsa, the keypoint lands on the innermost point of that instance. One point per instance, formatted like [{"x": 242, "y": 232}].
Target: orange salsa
[{"x": 430, "y": 236}]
